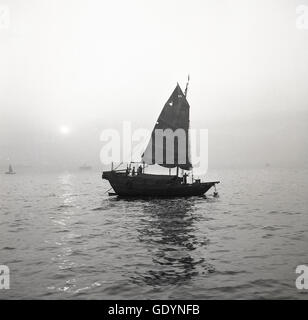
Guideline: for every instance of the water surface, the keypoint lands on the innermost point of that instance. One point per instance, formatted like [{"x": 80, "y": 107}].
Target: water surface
[{"x": 63, "y": 237}]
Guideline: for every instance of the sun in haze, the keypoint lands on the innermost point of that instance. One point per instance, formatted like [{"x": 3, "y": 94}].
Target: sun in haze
[{"x": 64, "y": 130}]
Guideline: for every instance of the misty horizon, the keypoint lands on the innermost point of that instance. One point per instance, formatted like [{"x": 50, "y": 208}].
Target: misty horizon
[{"x": 69, "y": 71}]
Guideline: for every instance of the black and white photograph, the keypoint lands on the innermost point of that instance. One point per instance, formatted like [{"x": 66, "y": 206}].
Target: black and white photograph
[{"x": 154, "y": 151}]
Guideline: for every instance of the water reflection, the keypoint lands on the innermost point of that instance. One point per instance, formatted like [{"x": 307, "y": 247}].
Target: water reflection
[
  {"x": 169, "y": 229},
  {"x": 63, "y": 222}
]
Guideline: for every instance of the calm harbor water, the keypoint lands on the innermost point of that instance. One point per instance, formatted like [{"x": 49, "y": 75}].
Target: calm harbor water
[{"x": 63, "y": 238}]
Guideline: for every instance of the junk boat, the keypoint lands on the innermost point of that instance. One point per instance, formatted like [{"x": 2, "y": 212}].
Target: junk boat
[{"x": 128, "y": 183}]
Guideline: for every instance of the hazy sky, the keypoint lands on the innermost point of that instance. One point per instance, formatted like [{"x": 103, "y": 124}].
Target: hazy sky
[{"x": 89, "y": 65}]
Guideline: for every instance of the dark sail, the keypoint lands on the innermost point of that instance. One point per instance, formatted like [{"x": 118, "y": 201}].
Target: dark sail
[{"x": 169, "y": 144}]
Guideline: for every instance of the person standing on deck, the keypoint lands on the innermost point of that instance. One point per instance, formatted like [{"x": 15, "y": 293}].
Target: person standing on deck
[
  {"x": 185, "y": 178},
  {"x": 139, "y": 170},
  {"x": 127, "y": 171}
]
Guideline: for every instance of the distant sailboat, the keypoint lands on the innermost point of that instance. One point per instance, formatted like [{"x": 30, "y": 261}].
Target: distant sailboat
[
  {"x": 85, "y": 167},
  {"x": 10, "y": 170},
  {"x": 175, "y": 115}
]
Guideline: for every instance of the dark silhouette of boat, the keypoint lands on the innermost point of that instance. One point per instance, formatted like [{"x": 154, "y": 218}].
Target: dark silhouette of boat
[
  {"x": 11, "y": 171},
  {"x": 128, "y": 183}
]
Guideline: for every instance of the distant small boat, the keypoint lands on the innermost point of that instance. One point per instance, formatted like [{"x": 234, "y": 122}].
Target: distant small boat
[
  {"x": 85, "y": 167},
  {"x": 10, "y": 170}
]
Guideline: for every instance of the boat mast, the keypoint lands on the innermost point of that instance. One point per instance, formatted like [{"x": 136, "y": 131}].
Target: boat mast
[{"x": 186, "y": 89}]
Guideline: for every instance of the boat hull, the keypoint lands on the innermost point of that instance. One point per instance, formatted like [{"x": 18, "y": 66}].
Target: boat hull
[{"x": 145, "y": 185}]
